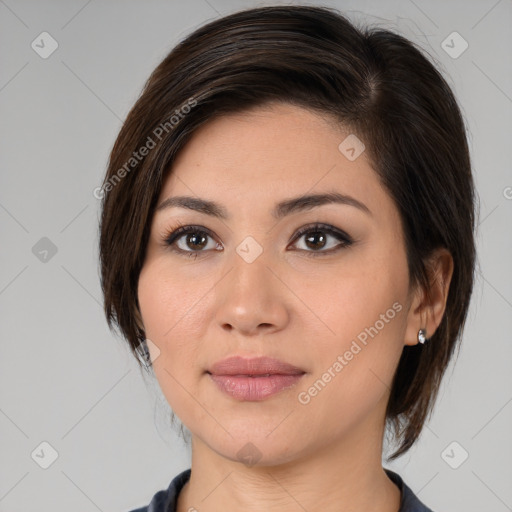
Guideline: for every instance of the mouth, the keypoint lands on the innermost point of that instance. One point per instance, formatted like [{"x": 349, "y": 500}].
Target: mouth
[
  {"x": 253, "y": 366},
  {"x": 254, "y": 379},
  {"x": 254, "y": 388}
]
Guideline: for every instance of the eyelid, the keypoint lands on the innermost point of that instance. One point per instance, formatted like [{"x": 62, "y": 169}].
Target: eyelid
[{"x": 320, "y": 226}]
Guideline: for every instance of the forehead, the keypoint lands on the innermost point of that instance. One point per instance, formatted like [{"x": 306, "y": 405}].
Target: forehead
[{"x": 268, "y": 153}]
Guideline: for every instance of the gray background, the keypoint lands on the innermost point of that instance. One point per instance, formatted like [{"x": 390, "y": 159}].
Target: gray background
[{"x": 66, "y": 380}]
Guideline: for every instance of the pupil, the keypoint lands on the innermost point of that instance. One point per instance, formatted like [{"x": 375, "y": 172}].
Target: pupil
[
  {"x": 194, "y": 237},
  {"x": 313, "y": 236}
]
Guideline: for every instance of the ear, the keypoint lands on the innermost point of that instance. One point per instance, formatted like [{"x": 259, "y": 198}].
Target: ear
[{"x": 427, "y": 310}]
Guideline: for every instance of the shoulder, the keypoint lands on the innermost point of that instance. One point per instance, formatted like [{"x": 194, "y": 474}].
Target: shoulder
[
  {"x": 165, "y": 500},
  {"x": 409, "y": 502}
]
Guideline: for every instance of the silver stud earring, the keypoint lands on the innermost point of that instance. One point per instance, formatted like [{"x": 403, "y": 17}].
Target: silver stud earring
[{"x": 422, "y": 336}]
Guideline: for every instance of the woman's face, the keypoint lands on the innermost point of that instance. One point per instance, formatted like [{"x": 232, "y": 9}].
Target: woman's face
[{"x": 333, "y": 301}]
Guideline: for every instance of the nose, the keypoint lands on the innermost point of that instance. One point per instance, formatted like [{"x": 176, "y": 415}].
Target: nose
[{"x": 252, "y": 298}]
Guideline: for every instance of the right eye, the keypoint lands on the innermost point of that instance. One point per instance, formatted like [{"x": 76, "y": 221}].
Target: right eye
[{"x": 190, "y": 240}]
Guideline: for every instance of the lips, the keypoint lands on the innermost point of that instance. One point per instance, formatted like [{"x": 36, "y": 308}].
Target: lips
[
  {"x": 254, "y": 379},
  {"x": 253, "y": 367}
]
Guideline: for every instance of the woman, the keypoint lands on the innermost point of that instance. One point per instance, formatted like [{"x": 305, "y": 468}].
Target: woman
[{"x": 287, "y": 236}]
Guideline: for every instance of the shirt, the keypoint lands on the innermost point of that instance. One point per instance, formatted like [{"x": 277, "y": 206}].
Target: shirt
[{"x": 166, "y": 500}]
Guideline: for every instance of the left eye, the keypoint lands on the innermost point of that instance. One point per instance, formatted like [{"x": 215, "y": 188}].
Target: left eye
[
  {"x": 316, "y": 238},
  {"x": 194, "y": 239}
]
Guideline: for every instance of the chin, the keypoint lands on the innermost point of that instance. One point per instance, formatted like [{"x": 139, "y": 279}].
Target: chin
[{"x": 254, "y": 449}]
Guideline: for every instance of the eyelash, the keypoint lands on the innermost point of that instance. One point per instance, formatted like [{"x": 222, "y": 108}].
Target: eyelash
[{"x": 172, "y": 236}]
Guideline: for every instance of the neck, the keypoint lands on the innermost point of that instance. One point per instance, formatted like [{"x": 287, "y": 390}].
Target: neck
[{"x": 346, "y": 477}]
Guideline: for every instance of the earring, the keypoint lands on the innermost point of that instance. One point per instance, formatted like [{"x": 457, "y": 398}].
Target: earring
[{"x": 422, "y": 336}]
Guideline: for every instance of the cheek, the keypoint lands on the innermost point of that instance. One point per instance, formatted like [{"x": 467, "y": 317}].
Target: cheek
[
  {"x": 167, "y": 300},
  {"x": 349, "y": 299},
  {"x": 171, "y": 312},
  {"x": 354, "y": 369},
  {"x": 173, "y": 320},
  {"x": 362, "y": 310}
]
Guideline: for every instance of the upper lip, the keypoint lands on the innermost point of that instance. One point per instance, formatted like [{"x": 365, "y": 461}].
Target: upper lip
[{"x": 238, "y": 365}]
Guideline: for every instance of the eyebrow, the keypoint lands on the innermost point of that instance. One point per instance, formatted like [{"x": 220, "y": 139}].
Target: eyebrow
[{"x": 282, "y": 209}]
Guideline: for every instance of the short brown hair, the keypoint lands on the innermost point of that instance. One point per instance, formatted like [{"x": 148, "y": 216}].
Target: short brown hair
[{"x": 371, "y": 80}]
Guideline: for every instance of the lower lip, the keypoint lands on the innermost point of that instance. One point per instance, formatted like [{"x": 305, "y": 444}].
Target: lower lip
[{"x": 254, "y": 388}]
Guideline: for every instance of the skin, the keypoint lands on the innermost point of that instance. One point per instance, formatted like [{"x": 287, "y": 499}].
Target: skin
[{"x": 289, "y": 304}]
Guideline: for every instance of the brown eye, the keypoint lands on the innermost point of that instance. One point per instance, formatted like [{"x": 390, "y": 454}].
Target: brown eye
[
  {"x": 190, "y": 240},
  {"x": 195, "y": 240},
  {"x": 319, "y": 239},
  {"x": 316, "y": 240},
  {"x": 319, "y": 236}
]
